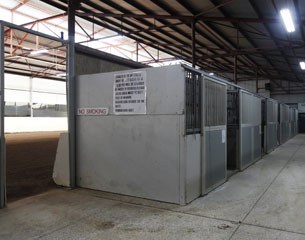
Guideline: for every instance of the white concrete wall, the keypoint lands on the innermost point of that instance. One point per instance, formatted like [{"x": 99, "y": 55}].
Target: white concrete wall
[{"x": 37, "y": 124}]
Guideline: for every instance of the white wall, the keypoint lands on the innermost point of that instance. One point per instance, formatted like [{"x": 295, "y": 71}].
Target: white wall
[
  {"x": 18, "y": 88},
  {"x": 24, "y": 90},
  {"x": 37, "y": 124}
]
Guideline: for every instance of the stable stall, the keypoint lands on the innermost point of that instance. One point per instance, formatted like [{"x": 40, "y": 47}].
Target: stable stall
[
  {"x": 291, "y": 122},
  {"x": 271, "y": 125},
  {"x": 139, "y": 133},
  {"x": 244, "y": 128},
  {"x": 284, "y": 125},
  {"x": 296, "y": 121},
  {"x": 233, "y": 130},
  {"x": 214, "y": 157},
  {"x": 250, "y": 128}
]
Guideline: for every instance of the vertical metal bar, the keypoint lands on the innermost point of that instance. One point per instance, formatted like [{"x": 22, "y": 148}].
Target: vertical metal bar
[
  {"x": 2, "y": 137},
  {"x": 235, "y": 69},
  {"x": 193, "y": 43},
  {"x": 71, "y": 92},
  {"x": 11, "y": 41},
  {"x": 31, "y": 97},
  {"x": 137, "y": 52},
  {"x": 256, "y": 77}
]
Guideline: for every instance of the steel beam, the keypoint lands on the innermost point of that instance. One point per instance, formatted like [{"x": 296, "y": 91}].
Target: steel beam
[
  {"x": 193, "y": 43},
  {"x": 251, "y": 51},
  {"x": 2, "y": 137},
  {"x": 185, "y": 18},
  {"x": 235, "y": 69},
  {"x": 129, "y": 15},
  {"x": 71, "y": 92},
  {"x": 256, "y": 80},
  {"x": 45, "y": 19}
]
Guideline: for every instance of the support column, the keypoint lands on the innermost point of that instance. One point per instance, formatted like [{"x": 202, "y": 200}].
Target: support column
[
  {"x": 71, "y": 91},
  {"x": 137, "y": 52},
  {"x": 31, "y": 97},
  {"x": 193, "y": 43},
  {"x": 256, "y": 79},
  {"x": 2, "y": 137},
  {"x": 235, "y": 69}
]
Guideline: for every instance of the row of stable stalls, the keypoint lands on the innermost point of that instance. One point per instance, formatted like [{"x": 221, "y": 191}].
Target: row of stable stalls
[
  {"x": 170, "y": 133},
  {"x": 256, "y": 126}
]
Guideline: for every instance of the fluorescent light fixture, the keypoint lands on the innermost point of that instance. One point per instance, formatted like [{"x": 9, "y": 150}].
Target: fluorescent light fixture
[
  {"x": 211, "y": 74},
  {"x": 287, "y": 19},
  {"x": 41, "y": 51},
  {"x": 302, "y": 65}
]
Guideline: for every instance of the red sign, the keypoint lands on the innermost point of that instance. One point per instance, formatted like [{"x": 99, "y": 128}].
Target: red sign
[{"x": 92, "y": 111}]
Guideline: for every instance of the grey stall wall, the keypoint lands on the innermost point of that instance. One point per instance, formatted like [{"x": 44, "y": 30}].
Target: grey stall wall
[{"x": 90, "y": 61}]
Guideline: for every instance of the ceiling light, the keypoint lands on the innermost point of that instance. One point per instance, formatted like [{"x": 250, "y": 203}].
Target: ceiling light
[
  {"x": 302, "y": 65},
  {"x": 41, "y": 51},
  {"x": 211, "y": 74},
  {"x": 286, "y": 16}
]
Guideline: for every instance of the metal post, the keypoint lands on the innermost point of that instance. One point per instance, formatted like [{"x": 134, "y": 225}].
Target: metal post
[
  {"x": 71, "y": 91},
  {"x": 2, "y": 137},
  {"x": 31, "y": 97},
  {"x": 235, "y": 69},
  {"x": 193, "y": 43},
  {"x": 256, "y": 75},
  {"x": 137, "y": 52}
]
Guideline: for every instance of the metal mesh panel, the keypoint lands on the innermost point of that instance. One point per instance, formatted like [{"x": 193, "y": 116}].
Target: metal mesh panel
[
  {"x": 251, "y": 109},
  {"x": 272, "y": 111},
  {"x": 284, "y": 113},
  {"x": 193, "y": 82},
  {"x": 292, "y": 115},
  {"x": 215, "y": 103}
]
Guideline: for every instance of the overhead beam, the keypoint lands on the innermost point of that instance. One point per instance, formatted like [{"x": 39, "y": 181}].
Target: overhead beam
[
  {"x": 251, "y": 51},
  {"x": 198, "y": 15},
  {"x": 270, "y": 32},
  {"x": 186, "y": 18},
  {"x": 140, "y": 16},
  {"x": 45, "y": 19}
]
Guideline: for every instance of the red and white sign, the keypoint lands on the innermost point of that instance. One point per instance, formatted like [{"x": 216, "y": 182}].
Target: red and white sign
[{"x": 92, "y": 111}]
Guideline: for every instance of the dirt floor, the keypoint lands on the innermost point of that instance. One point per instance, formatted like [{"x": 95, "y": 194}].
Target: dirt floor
[{"x": 30, "y": 159}]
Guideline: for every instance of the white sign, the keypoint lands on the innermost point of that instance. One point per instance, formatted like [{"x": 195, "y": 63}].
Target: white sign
[
  {"x": 92, "y": 111},
  {"x": 129, "y": 93},
  {"x": 223, "y": 136}
]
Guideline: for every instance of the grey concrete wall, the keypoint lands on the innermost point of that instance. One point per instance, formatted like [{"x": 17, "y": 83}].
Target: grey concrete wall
[
  {"x": 251, "y": 86},
  {"x": 292, "y": 98},
  {"x": 89, "y": 61}
]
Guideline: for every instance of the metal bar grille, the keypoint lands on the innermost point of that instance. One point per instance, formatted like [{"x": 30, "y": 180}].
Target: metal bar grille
[
  {"x": 233, "y": 108},
  {"x": 215, "y": 97},
  {"x": 193, "y": 83}
]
